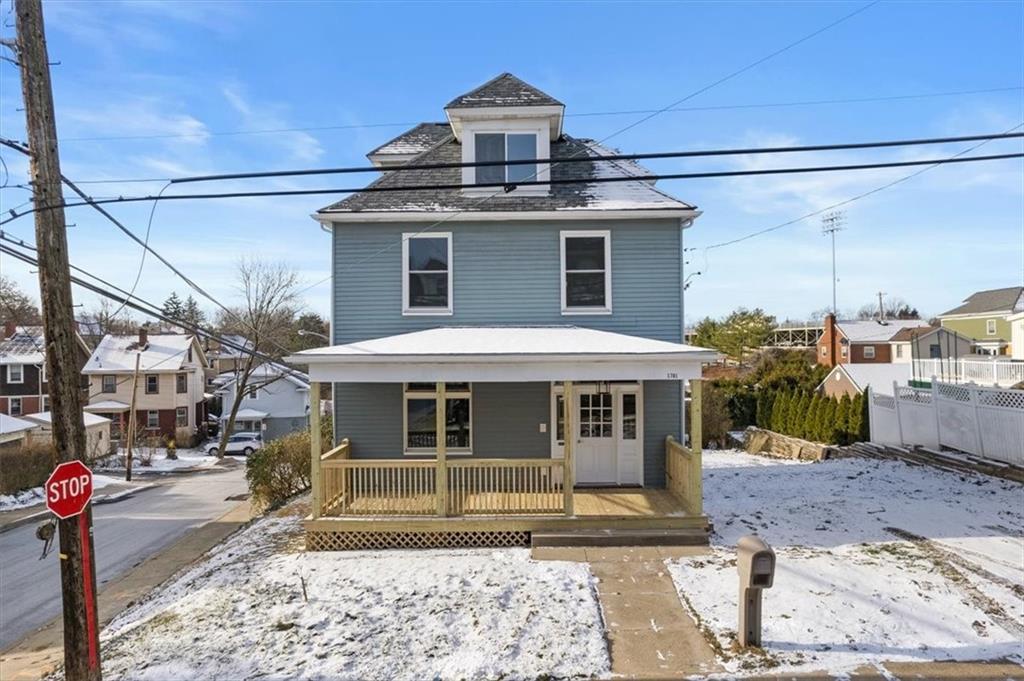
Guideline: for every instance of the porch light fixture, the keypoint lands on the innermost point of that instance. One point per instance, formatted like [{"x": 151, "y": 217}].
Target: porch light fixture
[{"x": 604, "y": 387}]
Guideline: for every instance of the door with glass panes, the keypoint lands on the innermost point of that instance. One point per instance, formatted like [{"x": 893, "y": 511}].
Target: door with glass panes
[{"x": 607, "y": 447}]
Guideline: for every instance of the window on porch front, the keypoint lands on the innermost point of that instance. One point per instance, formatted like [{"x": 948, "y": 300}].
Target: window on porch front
[{"x": 420, "y": 436}]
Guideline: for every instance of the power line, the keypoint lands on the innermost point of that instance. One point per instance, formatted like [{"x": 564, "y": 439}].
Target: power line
[
  {"x": 581, "y": 114},
  {"x": 507, "y": 186},
  {"x": 850, "y": 200}
]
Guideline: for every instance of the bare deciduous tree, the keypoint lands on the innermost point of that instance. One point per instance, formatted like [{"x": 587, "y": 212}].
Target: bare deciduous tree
[{"x": 269, "y": 300}]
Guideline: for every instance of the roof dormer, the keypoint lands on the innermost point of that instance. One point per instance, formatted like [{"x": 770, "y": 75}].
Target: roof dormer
[{"x": 506, "y": 119}]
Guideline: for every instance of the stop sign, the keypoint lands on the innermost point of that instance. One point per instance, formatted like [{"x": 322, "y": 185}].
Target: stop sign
[{"x": 68, "y": 489}]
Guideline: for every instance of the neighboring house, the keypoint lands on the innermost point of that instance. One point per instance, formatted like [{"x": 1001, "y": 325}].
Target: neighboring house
[
  {"x": 1016, "y": 335},
  {"x": 985, "y": 317},
  {"x": 225, "y": 359},
  {"x": 275, "y": 403},
  {"x": 23, "y": 385},
  {"x": 525, "y": 291},
  {"x": 928, "y": 342},
  {"x": 861, "y": 341},
  {"x": 169, "y": 399},
  {"x": 852, "y": 378},
  {"x": 98, "y": 442},
  {"x": 14, "y": 432}
]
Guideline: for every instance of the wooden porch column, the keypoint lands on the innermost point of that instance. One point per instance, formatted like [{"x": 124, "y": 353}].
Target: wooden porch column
[
  {"x": 441, "y": 433},
  {"x": 314, "y": 448},
  {"x": 569, "y": 427},
  {"x": 696, "y": 440}
]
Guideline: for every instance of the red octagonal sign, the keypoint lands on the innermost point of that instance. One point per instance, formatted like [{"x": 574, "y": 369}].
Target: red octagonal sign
[{"x": 68, "y": 489}]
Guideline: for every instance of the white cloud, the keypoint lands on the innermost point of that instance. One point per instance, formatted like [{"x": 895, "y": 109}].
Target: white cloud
[{"x": 300, "y": 147}]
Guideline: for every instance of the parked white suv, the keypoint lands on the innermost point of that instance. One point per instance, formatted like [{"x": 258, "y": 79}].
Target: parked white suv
[{"x": 239, "y": 443}]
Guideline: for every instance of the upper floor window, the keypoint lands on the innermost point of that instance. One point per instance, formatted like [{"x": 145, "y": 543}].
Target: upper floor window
[
  {"x": 869, "y": 352},
  {"x": 109, "y": 384},
  {"x": 152, "y": 384},
  {"x": 427, "y": 273},
  {"x": 586, "y": 272},
  {"x": 181, "y": 383},
  {"x": 253, "y": 392},
  {"x": 501, "y": 146},
  {"x": 990, "y": 327},
  {"x": 15, "y": 373}
]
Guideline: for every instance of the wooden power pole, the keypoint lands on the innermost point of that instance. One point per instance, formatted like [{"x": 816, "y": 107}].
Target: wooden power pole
[
  {"x": 77, "y": 564},
  {"x": 131, "y": 419}
]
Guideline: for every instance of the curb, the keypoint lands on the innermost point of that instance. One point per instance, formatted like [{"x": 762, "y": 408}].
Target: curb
[{"x": 96, "y": 501}]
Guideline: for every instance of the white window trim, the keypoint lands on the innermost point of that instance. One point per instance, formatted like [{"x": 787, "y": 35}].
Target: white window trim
[
  {"x": 990, "y": 327},
  {"x": 869, "y": 352},
  {"x": 10, "y": 406},
  {"x": 540, "y": 127},
  {"x": 42, "y": 373},
  {"x": 425, "y": 311},
  {"x": 428, "y": 394},
  {"x": 148, "y": 413},
  {"x": 176, "y": 411},
  {"x": 177, "y": 376},
  {"x": 21, "y": 375},
  {"x": 607, "y": 235},
  {"x": 44, "y": 403},
  {"x": 102, "y": 384},
  {"x": 252, "y": 393},
  {"x": 145, "y": 384}
]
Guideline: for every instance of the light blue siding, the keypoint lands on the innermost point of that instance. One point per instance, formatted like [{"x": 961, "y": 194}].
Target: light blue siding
[
  {"x": 661, "y": 419},
  {"x": 507, "y": 273}
]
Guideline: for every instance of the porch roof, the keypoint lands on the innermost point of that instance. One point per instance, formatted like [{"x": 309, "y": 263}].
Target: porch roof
[
  {"x": 106, "y": 407},
  {"x": 504, "y": 353}
]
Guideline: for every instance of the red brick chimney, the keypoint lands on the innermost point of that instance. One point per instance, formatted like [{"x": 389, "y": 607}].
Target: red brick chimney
[
  {"x": 143, "y": 335},
  {"x": 9, "y": 328},
  {"x": 830, "y": 336}
]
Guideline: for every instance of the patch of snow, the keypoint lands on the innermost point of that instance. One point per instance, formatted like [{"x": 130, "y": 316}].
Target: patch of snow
[
  {"x": 876, "y": 561},
  {"x": 466, "y": 614},
  {"x": 36, "y": 496},
  {"x": 159, "y": 463}
]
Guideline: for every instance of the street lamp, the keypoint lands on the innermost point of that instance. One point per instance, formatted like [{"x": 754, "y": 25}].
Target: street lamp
[{"x": 304, "y": 332}]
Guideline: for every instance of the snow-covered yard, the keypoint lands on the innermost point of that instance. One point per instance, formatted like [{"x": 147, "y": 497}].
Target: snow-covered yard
[
  {"x": 876, "y": 561},
  {"x": 473, "y": 614},
  {"x": 35, "y": 496},
  {"x": 158, "y": 461}
]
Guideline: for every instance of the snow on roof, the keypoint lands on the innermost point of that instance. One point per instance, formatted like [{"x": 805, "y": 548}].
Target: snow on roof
[
  {"x": 10, "y": 425},
  {"x": 163, "y": 352},
  {"x": 107, "y": 406},
  {"x": 503, "y": 90},
  {"x": 44, "y": 418},
  {"x": 25, "y": 346},
  {"x": 247, "y": 414},
  {"x": 874, "y": 330},
  {"x": 477, "y": 341},
  {"x": 878, "y": 376},
  {"x": 265, "y": 371}
]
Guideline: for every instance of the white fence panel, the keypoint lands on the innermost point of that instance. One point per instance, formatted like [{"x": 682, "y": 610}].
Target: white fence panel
[
  {"x": 996, "y": 372},
  {"x": 986, "y": 422}
]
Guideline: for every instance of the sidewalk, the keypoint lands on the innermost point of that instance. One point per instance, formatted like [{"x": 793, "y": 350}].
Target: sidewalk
[{"x": 41, "y": 652}]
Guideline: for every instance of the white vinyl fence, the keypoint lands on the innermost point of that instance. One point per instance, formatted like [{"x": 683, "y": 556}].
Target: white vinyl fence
[
  {"x": 986, "y": 422},
  {"x": 1000, "y": 372}
]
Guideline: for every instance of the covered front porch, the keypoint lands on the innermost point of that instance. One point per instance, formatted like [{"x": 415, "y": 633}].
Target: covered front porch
[{"x": 449, "y": 497}]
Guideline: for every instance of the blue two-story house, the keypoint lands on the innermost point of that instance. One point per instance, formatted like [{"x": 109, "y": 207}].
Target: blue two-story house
[{"x": 507, "y": 355}]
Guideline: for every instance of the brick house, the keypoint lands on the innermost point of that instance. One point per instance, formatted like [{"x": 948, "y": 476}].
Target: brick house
[
  {"x": 170, "y": 399},
  {"x": 860, "y": 341},
  {"x": 23, "y": 385}
]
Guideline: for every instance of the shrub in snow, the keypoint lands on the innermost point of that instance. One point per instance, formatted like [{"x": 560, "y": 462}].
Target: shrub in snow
[
  {"x": 26, "y": 466},
  {"x": 281, "y": 468}
]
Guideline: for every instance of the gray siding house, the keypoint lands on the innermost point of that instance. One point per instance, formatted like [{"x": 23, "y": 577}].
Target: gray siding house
[
  {"x": 276, "y": 402},
  {"x": 471, "y": 306}
]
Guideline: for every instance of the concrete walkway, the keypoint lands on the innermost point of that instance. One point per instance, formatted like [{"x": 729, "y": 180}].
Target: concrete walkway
[
  {"x": 41, "y": 652},
  {"x": 650, "y": 635}
]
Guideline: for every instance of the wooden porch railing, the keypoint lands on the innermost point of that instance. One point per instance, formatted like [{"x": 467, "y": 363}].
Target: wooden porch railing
[
  {"x": 404, "y": 487},
  {"x": 683, "y": 465}
]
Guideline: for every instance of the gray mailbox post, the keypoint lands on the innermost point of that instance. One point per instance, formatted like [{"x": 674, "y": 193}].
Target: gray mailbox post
[{"x": 756, "y": 563}]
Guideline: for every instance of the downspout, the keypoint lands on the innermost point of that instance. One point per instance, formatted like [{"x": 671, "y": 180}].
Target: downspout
[{"x": 684, "y": 224}]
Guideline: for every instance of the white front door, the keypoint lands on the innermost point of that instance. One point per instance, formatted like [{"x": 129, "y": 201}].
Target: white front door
[{"x": 595, "y": 454}]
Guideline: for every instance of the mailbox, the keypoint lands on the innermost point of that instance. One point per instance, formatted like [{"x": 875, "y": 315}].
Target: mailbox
[{"x": 756, "y": 563}]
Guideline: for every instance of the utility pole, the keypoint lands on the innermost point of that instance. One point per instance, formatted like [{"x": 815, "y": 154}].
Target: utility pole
[
  {"x": 131, "y": 420},
  {"x": 881, "y": 309},
  {"x": 830, "y": 224},
  {"x": 77, "y": 563}
]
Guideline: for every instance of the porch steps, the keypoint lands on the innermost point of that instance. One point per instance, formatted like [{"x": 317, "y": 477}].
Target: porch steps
[{"x": 622, "y": 537}]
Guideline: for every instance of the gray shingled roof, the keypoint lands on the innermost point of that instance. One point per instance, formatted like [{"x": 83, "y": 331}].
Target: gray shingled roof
[
  {"x": 26, "y": 345},
  {"x": 504, "y": 90},
  {"x": 994, "y": 300},
  {"x": 415, "y": 141},
  {"x": 635, "y": 195}
]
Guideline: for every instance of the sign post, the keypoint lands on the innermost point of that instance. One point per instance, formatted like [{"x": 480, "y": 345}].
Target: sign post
[{"x": 68, "y": 493}]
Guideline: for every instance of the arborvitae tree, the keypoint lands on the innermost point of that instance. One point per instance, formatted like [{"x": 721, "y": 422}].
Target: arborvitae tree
[
  {"x": 828, "y": 419},
  {"x": 813, "y": 418},
  {"x": 793, "y": 414},
  {"x": 803, "y": 413},
  {"x": 859, "y": 426},
  {"x": 762, "y": 405},
  {"x": 840, "y": 434},
  {"x": 769, "y": 404},
  {"x": 778, "y": 418}
]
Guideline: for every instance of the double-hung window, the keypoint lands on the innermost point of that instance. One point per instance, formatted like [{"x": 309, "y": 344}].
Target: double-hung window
[
  {"x": 586, "y": 272},
  {"x": 869, "y": 352},
  {"x": 152, "y": 419},
  {"x": 181, "y": 417},
  {"x": 181, "y": 383},
  {"x": 15, "y": 406},
  {"x": 420, "y": 436},
  {"x": 109, "y": 383},
  {"x": 152, "y": 384},
  {"x": 427, "y": 273},
  {"x": 15, "y": 373},
  {"x": 500, "y": 147},
  {"x": 990, "y": 327}
]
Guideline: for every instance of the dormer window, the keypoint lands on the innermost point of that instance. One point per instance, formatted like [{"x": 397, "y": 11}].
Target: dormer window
[{"x": 500, "y": 146}]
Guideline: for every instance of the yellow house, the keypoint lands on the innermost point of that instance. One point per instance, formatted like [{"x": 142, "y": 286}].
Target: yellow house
[{"x": 985, "y": 317}]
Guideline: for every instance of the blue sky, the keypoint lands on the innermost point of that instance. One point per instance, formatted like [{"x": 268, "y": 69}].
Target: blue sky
[{"x": 189, "y": 71}]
